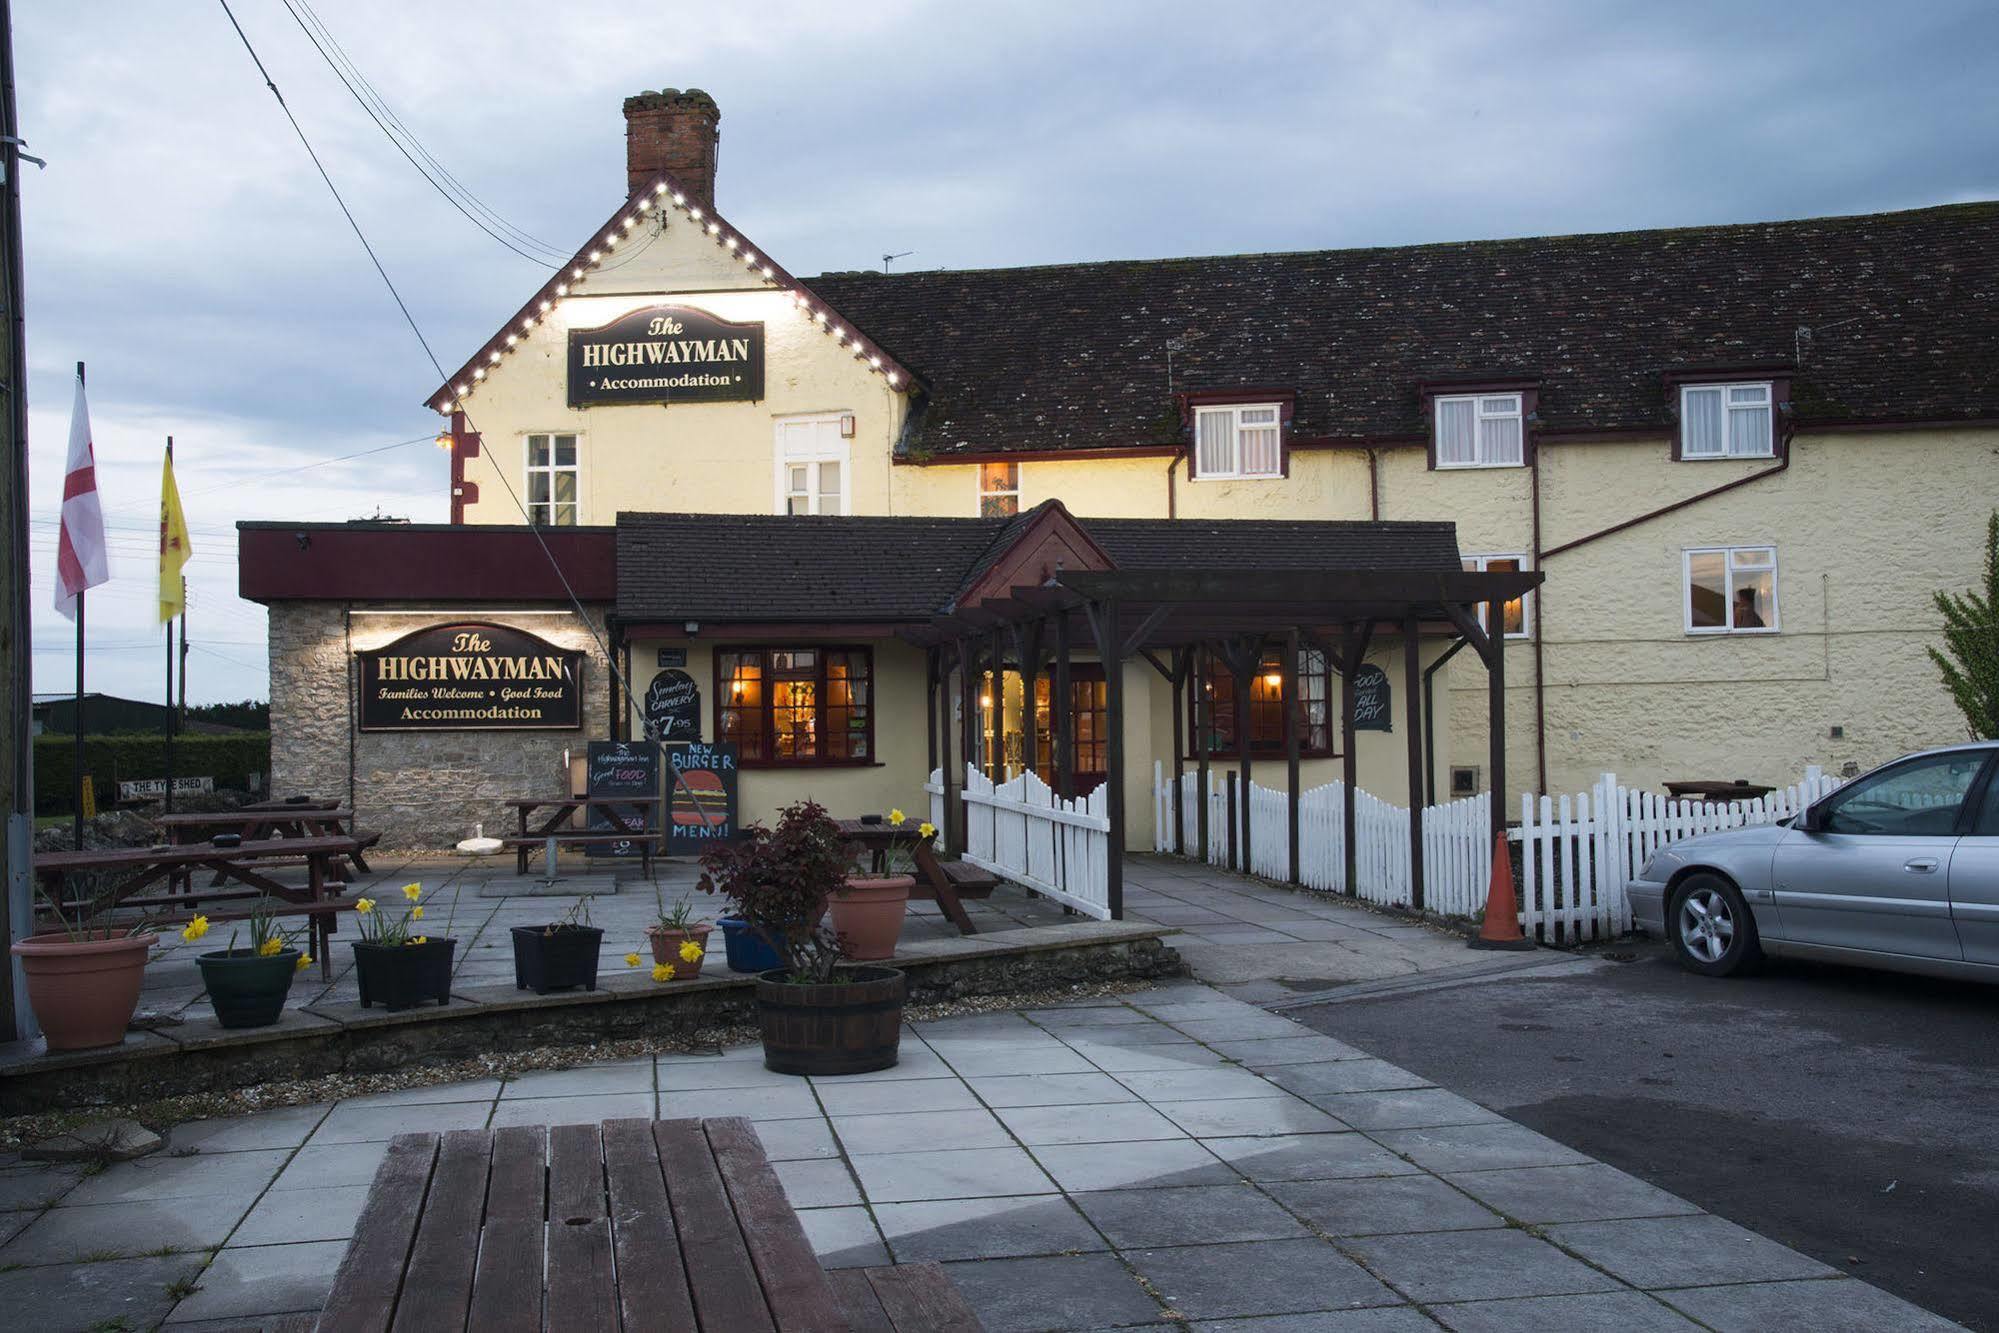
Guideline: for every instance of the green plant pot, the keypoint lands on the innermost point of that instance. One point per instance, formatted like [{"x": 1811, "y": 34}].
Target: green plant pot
[{"x": 248, "y": 991}]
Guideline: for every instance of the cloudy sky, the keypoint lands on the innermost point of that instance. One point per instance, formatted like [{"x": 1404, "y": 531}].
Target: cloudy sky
[{"x": 180, "y": 243}]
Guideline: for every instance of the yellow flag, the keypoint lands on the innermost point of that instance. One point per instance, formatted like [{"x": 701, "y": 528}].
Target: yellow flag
[{"x": 174, "y": 546}]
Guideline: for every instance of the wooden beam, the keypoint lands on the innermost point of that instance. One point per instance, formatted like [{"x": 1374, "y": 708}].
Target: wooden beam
[
  {"x": 1243, "y": 668},
  {"x": 1203, "y": 730},
  {"x": 1142, "y": 635},
  {"x": 1104, "y": 622},
  {"x": 1179, "y": 679},
  {"x": 942, "y": 721},
  {"x": 1412, "y": 707},
  {"x": 1353, "y": 653},
  {"x": 1294, "y": 723},
  {"x": 1472, "y": 632},
  {"x": 1061, "y": 713}
]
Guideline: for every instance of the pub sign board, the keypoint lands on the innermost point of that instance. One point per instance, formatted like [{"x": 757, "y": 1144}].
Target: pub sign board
[
  {"x": 666, "y": 354},
  {"x": 470, "y": 676},
  {"x": 620, "y": 768},
  {"x": 701, "y": 796},
  {"x": 1372, "y": 702}
]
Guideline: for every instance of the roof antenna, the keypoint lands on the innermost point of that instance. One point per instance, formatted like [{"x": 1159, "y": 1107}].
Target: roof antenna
[{"x": 888, "y": 259}]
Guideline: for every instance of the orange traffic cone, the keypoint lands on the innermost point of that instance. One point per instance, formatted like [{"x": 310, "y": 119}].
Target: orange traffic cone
[{"x": 1502, "y": 909}]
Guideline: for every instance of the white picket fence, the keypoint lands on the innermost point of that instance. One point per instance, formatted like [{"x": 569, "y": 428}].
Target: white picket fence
[
  {"x": 1577, "y": 852},
  {"x": 933, "y": 786},
  {"x": 1023, "y": 831}
]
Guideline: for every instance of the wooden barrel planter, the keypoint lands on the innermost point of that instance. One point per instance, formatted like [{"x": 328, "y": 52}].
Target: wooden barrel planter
[{"x": 852, "y": 1025}]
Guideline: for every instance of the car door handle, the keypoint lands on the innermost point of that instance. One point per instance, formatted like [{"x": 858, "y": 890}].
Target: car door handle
[{"x": 1921, "y": 865}]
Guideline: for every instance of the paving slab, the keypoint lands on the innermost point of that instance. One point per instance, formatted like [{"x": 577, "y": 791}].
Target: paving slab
[
  {"x": 1482, "y": 1147},
  {"x": 1477, "y": 1265},
  {"x": 1591, "y": 1192},
  {"x": 1404, "y": 1108},
  {"x": 1114, "y": 1122},
  {"x": 903, "y": 1095},
  {"x": 127, "y": 1230},
  {"x": 1625, "y": 1311},
  {"x": 1004, "y": 1090},
  {"x": 1279, "y": 1114},
  {"x": 817, "y": 1183},
  {"x": 1270, "y": 1052},
  {"x": 998, "y": 1228},
  {"x": 1307, "y": 1157},
  {"x": 1383, "y": 1205},
  {"x": 844, "y": 1237},
  {"x": 913, "y": 1131},
  {"x": 1179, "y": 1085},
  {"x": 697, "y": 1073},
  {"x": 964, "y": 1174},
  {"x": 1084, "y": 1291},
  {"x": 587, "y": 1080},
  {"x": 263, "y": 1280},
  {"x": 287, "y": 1127},
  {"x": 1109, "y": 1166},
  {"x": 1337, "y": 1076},
  {"x": 1165, "y": 1056},
  {"x": 1701, "y": 1250},
  {"x": 284, "y": 1217},
  {"x": 1187, "y": 1215},
  {"x": 73, "y": 1296},
  {"x": 36, "y": 1186},
  {"x": 332, "y": 1164},
  {"x": 1248, "y": 1026},
  {"x": 1386, "y": 1319},
  {"x": 788, "y": 1101},
  {"x": 358, "y": 1124},
  {"x": 578, "y": 1110},
  {"x": 1259, "y": 1278},
  {"x": 235, "y": 1173},
  {"x": 97, "y": 1141},
  {"x": 1834, "y": 1305}
]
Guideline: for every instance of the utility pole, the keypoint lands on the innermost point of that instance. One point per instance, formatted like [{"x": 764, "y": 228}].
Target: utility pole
[{"x": 17, "y": 751}]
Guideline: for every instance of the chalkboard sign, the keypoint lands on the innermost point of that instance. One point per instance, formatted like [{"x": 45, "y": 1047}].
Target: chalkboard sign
[
  {"x": 701, "y": 796},
  {"x": 1373, "y": 708},
  {"x": 673, "y": 708},
  {"x": 620, "y": 768}
]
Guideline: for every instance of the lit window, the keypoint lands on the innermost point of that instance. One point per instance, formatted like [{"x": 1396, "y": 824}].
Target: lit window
[
  {"x": 812, "y": 464},
  {"x": 1480, "y": 430},
  {"x": 1515, "y": 613},
  {"x": 1267, "y": 713},
  {"x": 553, "y": 478},
  {"x": 999, "y": 490},
  {"x": 791, "y": 706},
  {"x": 1725, "y": 421},
  {"x": 1238, "y": 441},
  {"x": 1732, "y": 590}
]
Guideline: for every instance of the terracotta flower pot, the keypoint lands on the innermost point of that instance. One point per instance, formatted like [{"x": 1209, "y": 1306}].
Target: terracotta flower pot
[
  {"x": 666, "y": 948},
  {"x": 867, "y": 915},
  {"x": 84, "y": 991}
]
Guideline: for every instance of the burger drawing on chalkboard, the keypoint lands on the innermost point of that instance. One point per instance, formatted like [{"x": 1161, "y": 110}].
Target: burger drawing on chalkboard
[{"x": 699, "y": 799}]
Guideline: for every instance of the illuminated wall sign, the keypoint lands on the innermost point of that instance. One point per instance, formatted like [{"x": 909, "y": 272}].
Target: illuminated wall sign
[
  {"x": 666, "y": 354},
  {"x": 470, "y": 677}
]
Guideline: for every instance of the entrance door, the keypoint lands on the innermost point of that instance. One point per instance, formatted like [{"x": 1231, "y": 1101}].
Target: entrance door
[
  {"x": 1089, "y": 705},
  {"x": 1876, "y": 875}
]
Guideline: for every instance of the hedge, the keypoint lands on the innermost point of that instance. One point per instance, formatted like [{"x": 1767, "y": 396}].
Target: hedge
[{"x": 113, "y": 759}]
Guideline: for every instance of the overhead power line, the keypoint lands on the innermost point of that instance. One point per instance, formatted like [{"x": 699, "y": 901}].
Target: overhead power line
[{"x": 457, "y": 195}]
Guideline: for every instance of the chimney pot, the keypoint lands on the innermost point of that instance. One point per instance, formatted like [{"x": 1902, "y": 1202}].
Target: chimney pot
[{"x": 673, "y": 130}]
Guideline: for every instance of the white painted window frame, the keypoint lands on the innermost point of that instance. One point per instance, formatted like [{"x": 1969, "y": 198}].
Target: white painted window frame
[
  {"x": 529, "y": 469},
  {"x": 1234, "y": 413},
  {"x": 1481, "y": 412},
  {"x": 1480, "y": 564},
  {"x": 1728, "y": 554},
  {"x": 1768, "y": 407},
  {"x": 784, "y": 454},
  {"x": 979, "y": 484}
]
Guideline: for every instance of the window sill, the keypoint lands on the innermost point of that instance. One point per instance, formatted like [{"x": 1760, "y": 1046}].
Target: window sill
[
  {"x": 1475, "y": 467},
  {"x": 1732, "y": 633},
  {"x": 1236, "y": 476},
  {"x": 1727, "y": 458}
]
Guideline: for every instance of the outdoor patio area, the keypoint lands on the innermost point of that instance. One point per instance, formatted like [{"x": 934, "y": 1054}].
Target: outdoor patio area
[{"x": 1173, "y": 1159}]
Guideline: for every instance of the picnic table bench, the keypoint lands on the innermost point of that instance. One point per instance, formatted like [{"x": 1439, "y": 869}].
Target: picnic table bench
[
  {"x": 246, "y": 864},
  {"x": 948, "y": 883},
  {"x": 638, "y": 814},
  {"x": 635, "y": 1224},
  {"x": 302, "y": 820}
]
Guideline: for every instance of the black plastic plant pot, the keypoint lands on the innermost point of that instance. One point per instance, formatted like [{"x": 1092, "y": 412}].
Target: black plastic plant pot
[
  {"x": 399, "y": 976},
  {"x": 248, "y": 991},
  {"x": 556, "y": 957}
]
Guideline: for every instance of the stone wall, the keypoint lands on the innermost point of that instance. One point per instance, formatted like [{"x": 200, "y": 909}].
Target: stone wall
[{"x": 421, "y": 790}]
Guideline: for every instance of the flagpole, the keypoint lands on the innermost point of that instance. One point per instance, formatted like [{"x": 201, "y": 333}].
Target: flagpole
[
  {"x": 170, "y": 652},
  {"x": 79, "y": 694}
]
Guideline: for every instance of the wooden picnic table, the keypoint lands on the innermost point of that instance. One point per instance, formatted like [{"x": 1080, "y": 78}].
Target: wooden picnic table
[
  {"x": 551, "y": 834},
  {"x": 293, "y": 803},
  {"x": 310, "y": 820},
  {"x": 143, "y": 866},
  {"x": 935, "y": 878},
  {"x": 646, "y": 1225}
]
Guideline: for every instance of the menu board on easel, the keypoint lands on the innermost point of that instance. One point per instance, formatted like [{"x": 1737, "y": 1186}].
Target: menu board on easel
[
  {"x": 701, "y": 797},
  {"x": 621, "y": 768}
]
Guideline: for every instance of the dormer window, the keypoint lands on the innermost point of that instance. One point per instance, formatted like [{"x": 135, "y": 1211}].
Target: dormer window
[
  {"x": 1480, "y": 430},
  {"x": 1727, "y": 420},
  {"x": 1238, "y": 440}
]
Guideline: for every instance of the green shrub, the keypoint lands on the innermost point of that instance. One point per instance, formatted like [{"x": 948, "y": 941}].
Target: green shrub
[{"x": 113, "y": 759}]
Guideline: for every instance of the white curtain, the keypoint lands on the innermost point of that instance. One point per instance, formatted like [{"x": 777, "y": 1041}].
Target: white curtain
[
  {"x": 1702, "y": 426},
  {"x": 1259, "y": 442},
  {"x": 1456, "y": 442},
  {"x": 1214, "y": 437},
  {"x": 1499, "y": 436},
  {"x": 1749, "y": 420}
]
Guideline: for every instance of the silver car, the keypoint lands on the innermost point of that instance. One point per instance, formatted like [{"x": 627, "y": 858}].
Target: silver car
[{"x": 1899, "y": 869}]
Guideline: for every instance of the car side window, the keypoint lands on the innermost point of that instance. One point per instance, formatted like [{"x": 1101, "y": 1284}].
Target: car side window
[
  {"x": 1987, "y": 823},
  {"x": 1923, "y": 796}
]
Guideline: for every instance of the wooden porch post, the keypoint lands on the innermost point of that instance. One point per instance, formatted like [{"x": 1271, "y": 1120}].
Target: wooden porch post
[
  {"x": 1495, "y": 706},
  {"x": 1027, "y": 646},
  {"x": 940, "y": 718},
  {"x": 1412, "y": 707},
  {"x": 1110, "y": 646},
  {"x": 1181, "y": 657},
  {"x": 1294, "y": 722},
  {"x": 932, "y": 656},
  {"x": 996, "y": 751},
  {"x": 1244, "y": 668},
  {"x": 1355, "y": 649},
  {"x": 1061, "y": 712},
  {"x": 968, "y": 693},
  {"x": 1203, "y": 725}
]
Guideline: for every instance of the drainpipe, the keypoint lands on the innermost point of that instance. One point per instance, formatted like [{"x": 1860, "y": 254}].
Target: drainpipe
[
  {"x": 1540, "y": 619},
  {"x": 1430, "y": 721},
  {"x": 1374, "y": 489},
  {"x": 1172, "y": 497}
]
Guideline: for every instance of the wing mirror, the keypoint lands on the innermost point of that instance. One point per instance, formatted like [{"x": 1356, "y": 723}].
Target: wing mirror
[{"x": 1811, "y": 819}]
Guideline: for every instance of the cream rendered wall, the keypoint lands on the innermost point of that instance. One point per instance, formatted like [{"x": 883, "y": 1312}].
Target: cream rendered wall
[
  {"x": 688, "y": 457},
  {"x": 894, "y": 780}
]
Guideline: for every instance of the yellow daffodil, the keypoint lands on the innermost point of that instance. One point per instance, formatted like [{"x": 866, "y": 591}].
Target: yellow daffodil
[
  {"x": 270, "y": 947},
  {"x": 304, "y": 961},
  {"x": 417, "y": 911},
  {"x": 897, "y": 817},
  {"x": 412, "y": 891},
  {"x": 927, "y": 829},
  {"x": 690, "y": 952},
  {"x": 194, "y": 929},
  {"x": 662, "y": 971},
  {"x": 420, "y": 939},
  {"x": 631, "y": 960},
  {"x": 364, "y": 905}
]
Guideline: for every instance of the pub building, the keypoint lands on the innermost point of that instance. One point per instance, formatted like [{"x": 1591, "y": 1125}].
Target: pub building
[{"x": 1670, "y": 504}]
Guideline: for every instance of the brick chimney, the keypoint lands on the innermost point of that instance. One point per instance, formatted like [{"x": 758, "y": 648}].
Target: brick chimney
[{"x": 675, "y": 131}]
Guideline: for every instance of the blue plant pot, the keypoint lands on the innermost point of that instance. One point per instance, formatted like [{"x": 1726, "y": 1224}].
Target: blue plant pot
[{"x": 745, "y": 949}]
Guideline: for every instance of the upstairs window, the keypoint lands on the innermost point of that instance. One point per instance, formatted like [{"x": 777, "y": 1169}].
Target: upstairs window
[
  {"x": 553, "y": 480},
  {"x": 1240, "y": 440},
  {"x": 812, "y": 462},
  {"x": 1726, "y": 421},
  {"x": 1732, "y": 590},
  {"x": 999, "y": 490},
  {"x": 1513, "y": 615},
  {"x": 1480, "y": 430}
]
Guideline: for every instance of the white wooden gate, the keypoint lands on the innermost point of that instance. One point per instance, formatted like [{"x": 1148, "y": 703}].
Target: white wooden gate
[{"x": 1023, "y": 831}]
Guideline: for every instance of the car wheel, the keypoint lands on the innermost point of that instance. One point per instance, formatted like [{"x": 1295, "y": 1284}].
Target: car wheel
[{"x": 1710, "y": 926}]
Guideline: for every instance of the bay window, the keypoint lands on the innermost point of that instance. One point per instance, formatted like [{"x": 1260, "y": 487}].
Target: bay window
[{"x": 796, "y": 706}]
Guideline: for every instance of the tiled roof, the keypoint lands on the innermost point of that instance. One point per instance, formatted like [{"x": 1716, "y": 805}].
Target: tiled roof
[
  {"x": 760, "y": 567},
  {"x": 1884, "y": 317}
]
